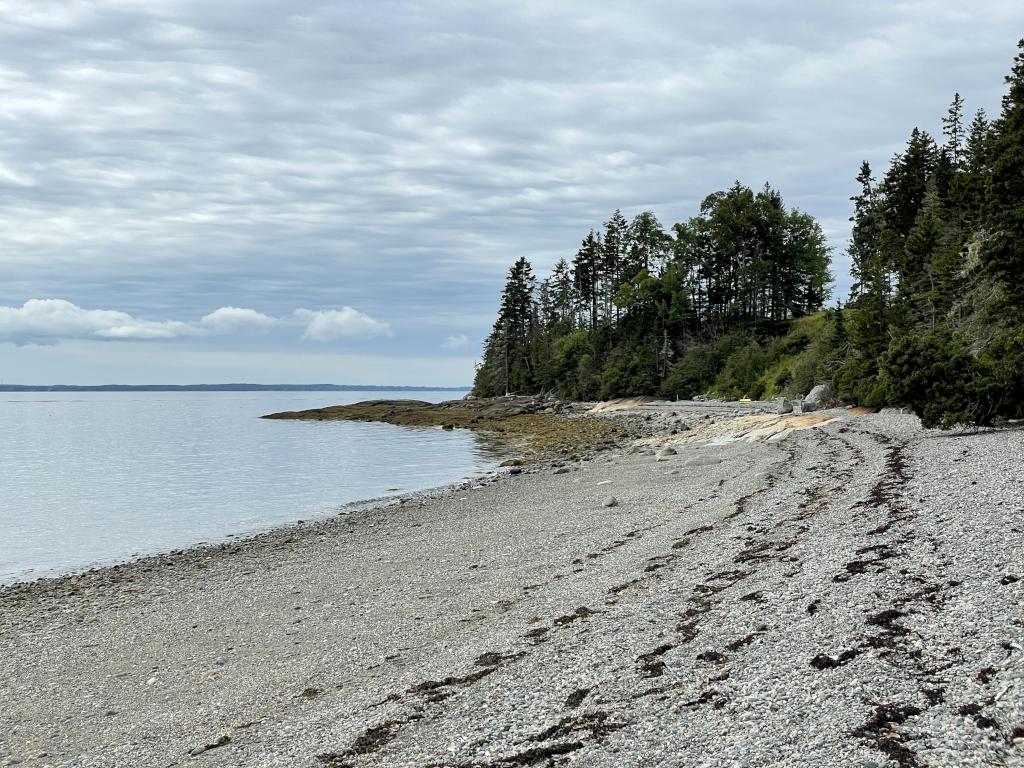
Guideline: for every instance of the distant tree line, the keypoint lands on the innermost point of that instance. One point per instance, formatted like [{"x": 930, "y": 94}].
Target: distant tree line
[{"x": 729, "y": 301}]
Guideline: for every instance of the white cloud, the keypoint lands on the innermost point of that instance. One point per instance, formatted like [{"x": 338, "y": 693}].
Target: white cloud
[
  {"x": 42, "y": 320},
  {"x": 45, "y": 321},
  {"x": 228, "y": 319},
  {"x": 331, "y": 324},
  {"x": 458, "y": 341}
]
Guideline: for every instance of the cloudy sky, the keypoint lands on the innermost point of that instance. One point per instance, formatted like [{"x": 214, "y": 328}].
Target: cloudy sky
[{"x": 279, "y": 191}]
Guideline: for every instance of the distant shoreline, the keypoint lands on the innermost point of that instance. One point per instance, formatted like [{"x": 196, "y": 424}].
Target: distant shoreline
[{"x": 222, "y": 388}]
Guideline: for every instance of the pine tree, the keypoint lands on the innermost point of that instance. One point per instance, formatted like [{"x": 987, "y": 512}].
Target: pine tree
[
  {"x": 975, "y": 175},
  {"x": 563, "y": 295},
  {"x": 509, "y": 364},
  {"x": 953, "y": 130},
  {"x": 647, "y": 246},
  {"x": 586, "y": 270},
  {"x": 613, "y": 261},
  {"x": 1003, "y": 254}
]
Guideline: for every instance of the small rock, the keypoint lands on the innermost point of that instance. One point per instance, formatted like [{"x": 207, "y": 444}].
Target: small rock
[
  {"x": 562, "y": 471},
  {"x": 197, "y": 751},
  {"x": 610, "y": 501}
]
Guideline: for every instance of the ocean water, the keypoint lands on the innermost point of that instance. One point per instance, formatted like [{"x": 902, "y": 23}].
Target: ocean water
[{"x": 96, "y": 478}]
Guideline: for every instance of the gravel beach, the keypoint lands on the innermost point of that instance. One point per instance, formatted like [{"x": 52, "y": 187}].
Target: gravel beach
[{"x": 850, "y": 594}]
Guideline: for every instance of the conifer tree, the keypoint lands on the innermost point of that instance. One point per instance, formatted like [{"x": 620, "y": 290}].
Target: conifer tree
[
  {"x": 586, "y": 271},
  {"x": 953, "y": 130},
  {"x": 1003, "y": 254},
  {"x": 614, "y": 245}
]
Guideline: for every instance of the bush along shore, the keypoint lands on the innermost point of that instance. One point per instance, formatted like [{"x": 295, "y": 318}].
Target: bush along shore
[{"x": 723, "y": 586}]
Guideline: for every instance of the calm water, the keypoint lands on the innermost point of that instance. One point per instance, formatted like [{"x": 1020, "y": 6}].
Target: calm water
[{"x": 90, "y": 478}]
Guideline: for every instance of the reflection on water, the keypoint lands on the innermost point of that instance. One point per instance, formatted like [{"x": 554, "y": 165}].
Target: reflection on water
[{"x": 93, "y": 478}]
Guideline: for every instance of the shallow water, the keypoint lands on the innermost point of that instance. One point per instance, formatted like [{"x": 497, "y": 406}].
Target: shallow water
[{"x": 94, "y": 478}]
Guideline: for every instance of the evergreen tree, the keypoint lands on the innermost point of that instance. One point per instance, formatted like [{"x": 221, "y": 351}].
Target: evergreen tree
[
  {"x": 647, "y": 245},
  {"x": 586, "y": 270},
  {"x": 1003, "y": 254},
  {"x": 612, "y": 263},
  {"x": 975, "y": 175},
  {"x": 953, "y": 130},
  {"x": 509, "y": 364}
]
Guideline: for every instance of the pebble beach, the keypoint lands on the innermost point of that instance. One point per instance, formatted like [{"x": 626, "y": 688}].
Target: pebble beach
[{"x": 850, "y": 593}]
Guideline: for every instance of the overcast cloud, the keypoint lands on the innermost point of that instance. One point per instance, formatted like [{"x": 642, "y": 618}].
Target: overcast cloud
[{"x": 380, "y": 164}]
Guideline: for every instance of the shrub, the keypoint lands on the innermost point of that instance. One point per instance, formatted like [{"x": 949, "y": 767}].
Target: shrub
[{"x": 936, "y": 376}]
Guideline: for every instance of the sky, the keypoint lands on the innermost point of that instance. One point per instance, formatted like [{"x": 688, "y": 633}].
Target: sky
[{"x": 279, "y": 192}]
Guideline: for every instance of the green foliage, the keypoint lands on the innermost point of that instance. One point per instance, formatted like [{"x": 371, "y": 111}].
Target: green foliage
[
  {"x": 696, "y": 371},
  {"x": 575, "y": 367},
  {"x": 1004, "y": 254},
  {"x": 730, "y": 300},
  {"x": 938, "y": 254},
  {"x": 1002, "y": 361},
  {"x": 806, "y": 356},
  {"x": 741, "y": 375},
  {"x": 937, "y": 377},
  {"x": 638, "y": 305}
]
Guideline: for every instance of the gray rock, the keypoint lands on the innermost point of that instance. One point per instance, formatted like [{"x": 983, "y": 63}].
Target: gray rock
[
  {"x": 818, "y": 396},
  {"x": 610, "y": 501},
  {"x": 782, "y": 405},
  {"x": 665, "y": 453}
]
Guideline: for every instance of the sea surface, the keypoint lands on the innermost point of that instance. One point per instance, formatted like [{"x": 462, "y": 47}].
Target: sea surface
[{"x": 96, "y": 478}]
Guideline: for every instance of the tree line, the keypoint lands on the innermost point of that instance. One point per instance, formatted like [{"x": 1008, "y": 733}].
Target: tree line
[
  {"x": 730, "y": 300},
  {"x": 636, "y": 298},
  {"x": 938, "y": 261}
]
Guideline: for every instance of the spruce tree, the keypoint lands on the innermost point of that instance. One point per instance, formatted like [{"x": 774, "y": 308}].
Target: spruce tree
[
  {"x": 586, "y": 270},
  {"x": 953, "y": 130},
  {"x": 1003, "y": 254}
]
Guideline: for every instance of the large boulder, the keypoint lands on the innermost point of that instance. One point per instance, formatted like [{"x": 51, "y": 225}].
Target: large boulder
[
  {"x": 818, "y": 396},
  {"x": 783, "y": 405}
]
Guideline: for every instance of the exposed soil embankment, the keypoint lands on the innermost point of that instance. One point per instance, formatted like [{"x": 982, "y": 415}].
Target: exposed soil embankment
[{"x": 539, "y": 426}]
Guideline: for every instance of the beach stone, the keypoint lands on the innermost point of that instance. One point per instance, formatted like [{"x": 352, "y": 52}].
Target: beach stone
[
  {"x": 610, "y": 501},
  {"x": 665, "y": 453},
  {"x": 197, "y": 751},
  {"x": 782, "y": 405},
  {"x": 562, "y": 471},
  {"x": 818, "y": 396}
]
